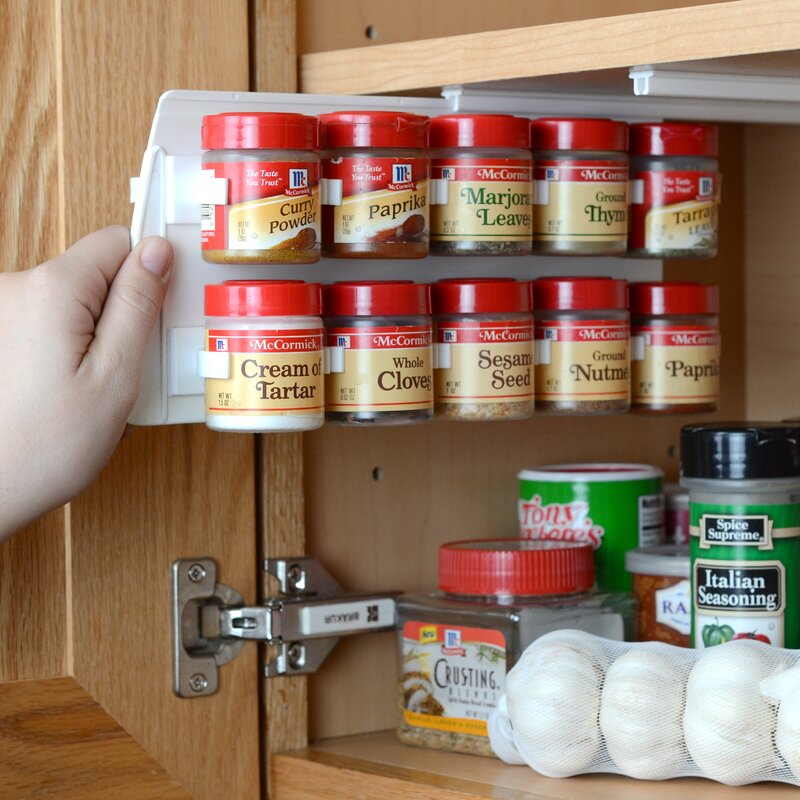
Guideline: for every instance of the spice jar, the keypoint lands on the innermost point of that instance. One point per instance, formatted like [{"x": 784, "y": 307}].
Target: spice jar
[
  {"x": 482, "y": 167},
  {"x": 263, "y": 362},
  {"x": 496, "y": 597},
  {"x": 744, "y": 486},
  {"x": 271, "y": 215},
  {"x": 676, "y": 514},
  {"x": 483, "y": 364},
  {"x": 580, "y": 198},
  {"x": 675, "y": 347},
  {"x": 662, "y": 592},
  {"x": 675, "y": 190},
  {"x": 380, "y": 361},
  {"x": 582, "y": 340},
  {"x": 375, "y": 168}
]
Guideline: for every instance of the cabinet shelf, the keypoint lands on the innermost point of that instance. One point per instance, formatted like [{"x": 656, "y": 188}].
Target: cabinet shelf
[
  {"x": 731, "y": 37},
  {"x": 379, "y": 767}
]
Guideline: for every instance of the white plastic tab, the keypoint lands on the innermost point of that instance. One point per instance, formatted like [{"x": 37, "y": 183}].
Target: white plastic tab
[
  {"x": 439, "y": 191},
  {"x": 541, "y": 193},
  {"x": 136, "y": 189},
  {"x": 211, "y": 364},
  {"x": 182, "y": 177},
  {"x": 636, "y": 191},
  {"x": 333, "y": 618},
  {"x": 637, "y": 348},
  {"x": 641, "y": 80},
  {"x": 182, "y": 344},
  {"x": 334, "y": 359},
  {"x": 541, "y": 351},
  {"x": 442, "y": 355},
  {"x": 331, "y": 191}
]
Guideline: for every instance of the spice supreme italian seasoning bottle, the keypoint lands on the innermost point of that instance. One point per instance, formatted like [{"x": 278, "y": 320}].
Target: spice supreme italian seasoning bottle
[{"x": 744, "y": 506}]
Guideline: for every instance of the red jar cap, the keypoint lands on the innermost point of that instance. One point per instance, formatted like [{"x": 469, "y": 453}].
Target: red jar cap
[
  {"x": 263, "y": 299},
  {"x": 674, "y": 298},
  {"x": 480, "y": 296},
  {"x": 673, "y": 139},
  {"x": 376, "y": 298},
  {"x": 565, "y": 294},
  {"x": 515, "y": 566},
  {"x": 564, "y": 133},
  {"x": 480, "y": 130},
  {"x": 259, "y": 131},
  {"x": 372, "y": 129}
]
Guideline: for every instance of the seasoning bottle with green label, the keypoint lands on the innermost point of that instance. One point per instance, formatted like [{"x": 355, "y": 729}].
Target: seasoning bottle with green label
[{"x": 744, "y": 506}]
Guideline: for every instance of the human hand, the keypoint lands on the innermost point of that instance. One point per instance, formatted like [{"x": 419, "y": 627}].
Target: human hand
[{"x": 72, "y": 338}]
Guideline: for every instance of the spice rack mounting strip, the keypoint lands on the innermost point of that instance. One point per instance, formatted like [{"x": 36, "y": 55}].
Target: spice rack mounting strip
[{"x": 167, "y": 198}]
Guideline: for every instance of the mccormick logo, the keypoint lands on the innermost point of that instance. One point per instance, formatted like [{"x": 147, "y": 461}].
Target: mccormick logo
[
  {"x": 298, "y": 179},
  {"x": 551, "y": 174},
  {"x": 452, "y": 643},
  {"x": 706, "y": 187},
  {"x": 551, "y": 333},
  {"x": 220, "y": 344},
  {"x": 602, "y": 335},
  {"x": 449, "y": 173},
  {"x": 450, "y": 336},
  {"x": 692, "y": 339},
  {"x": 343, "y": 341},
  {"x": 401, "y": 173},
  {"x": 561, "y": 522}
]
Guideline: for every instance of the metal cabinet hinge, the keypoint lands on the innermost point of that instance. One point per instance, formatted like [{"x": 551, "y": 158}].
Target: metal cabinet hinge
[{"x": 302, "y": 624}]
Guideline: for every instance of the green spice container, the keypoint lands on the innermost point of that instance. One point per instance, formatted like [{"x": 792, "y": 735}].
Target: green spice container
[
  {"x": 613, "y": 507},
  {"x": 744, "y": 511}
]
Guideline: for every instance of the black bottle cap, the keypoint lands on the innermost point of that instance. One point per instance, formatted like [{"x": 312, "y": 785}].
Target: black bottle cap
[{"x": 741, "y": 450}]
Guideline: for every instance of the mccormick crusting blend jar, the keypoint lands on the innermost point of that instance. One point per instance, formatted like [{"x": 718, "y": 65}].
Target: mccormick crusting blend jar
[
  {"x": 378, "y": 346},
  {"x": 375, "y": 190},
  {"x": 580, "y": 202},
  {"x": 582, "y": 337},
  {"x": 271, "y": 215},
  {"x": 675, "y": 347},
  {"x": 675, "y": 190},
  {"x": 496, "y": 597},
  {"x": 483, "y": 366},
  {"x": 481, "y": 165}
]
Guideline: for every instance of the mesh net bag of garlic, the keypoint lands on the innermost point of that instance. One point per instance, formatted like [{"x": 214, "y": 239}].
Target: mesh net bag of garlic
[{"x": 576, "y": 703}]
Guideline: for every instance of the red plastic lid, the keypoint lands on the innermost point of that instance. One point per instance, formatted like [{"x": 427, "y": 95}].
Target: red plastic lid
[
  {"x": 673, "y": 139},
  {"x": 515, "y": 566},
  {"x": 480, "y": 130},
  {"x": 674, "y": 298},
  {"x": 263, "y": 299},
  {"x": 376, "y": 298},
  {"x": 259, "y": 131},
  {"x": 372, "y": 129},
  {"x": 565, "y": 133},
  {"x": 480, "y": 296},
  {"x": 566, "y": 294}
]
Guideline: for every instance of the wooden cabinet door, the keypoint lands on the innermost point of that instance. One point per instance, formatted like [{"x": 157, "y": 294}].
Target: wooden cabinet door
[{"x": 86, "y": 703}]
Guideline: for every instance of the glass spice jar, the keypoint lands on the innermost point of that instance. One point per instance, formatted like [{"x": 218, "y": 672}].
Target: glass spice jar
[
  {"x": 675, "y": 190},
  {"x": 582, "y": 340},
  {"x": 483, "y": 364},
  {"x": 481, "y": 165},
  {"x": 675, "y": 347},
  {"x": 580, "y": 198},
  {"x": 263, "y": 363},
  {"x": 271, "y": 215},
  {"x": 496, "y": 597},
  {"x": 375, "y": 168},
  {"x": 379, "y": 353}
]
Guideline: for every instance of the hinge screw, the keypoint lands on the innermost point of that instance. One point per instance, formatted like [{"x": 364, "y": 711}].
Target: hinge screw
[
  {"x": 295, "y": 575},
  {"x": 198, "y": 682},
  {"x": 196, "y": 573},
  {"x": 296, "y": 655}
]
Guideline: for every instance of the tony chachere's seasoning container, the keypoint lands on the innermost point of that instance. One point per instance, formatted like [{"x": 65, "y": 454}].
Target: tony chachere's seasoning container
[
  {"x": 496, "y": 597},
  {"x": 582, "y": 340},
  {"x": 379, "y": 349},
  {"x": 263, "y": 363},
  {"x": 271, "y": 213},
  {"x": 375, "y": 190},
  {"x": 744, "y": 506},
  {"x": 481, "y": 170},
  {"x": 662, "y": 592},
  {"x": 483, "y": 365},
  {"x": 675, "y": 190},
  {"x": 675, "y": 347},
  {"x": 580, "y": 200}
]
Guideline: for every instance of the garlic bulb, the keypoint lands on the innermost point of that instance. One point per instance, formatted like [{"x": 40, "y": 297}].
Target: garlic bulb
[
  {"x": 641, "y": 710},
  {"x": 728, "y": 723},
  {"x": 553, "y": 695},
  {"x": 784, "y": 688}
]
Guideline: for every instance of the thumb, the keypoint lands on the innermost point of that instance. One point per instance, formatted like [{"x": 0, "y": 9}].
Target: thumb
[{"x": 131, "y": 311}]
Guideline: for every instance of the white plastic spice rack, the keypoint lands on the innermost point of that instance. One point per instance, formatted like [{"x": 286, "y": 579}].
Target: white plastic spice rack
[{"x": 168, "y": 194}]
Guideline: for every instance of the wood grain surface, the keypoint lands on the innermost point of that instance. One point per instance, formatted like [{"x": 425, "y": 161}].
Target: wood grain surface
[
  {"x": 57, "y": 742},
  {"x": 682, "y": 34}
]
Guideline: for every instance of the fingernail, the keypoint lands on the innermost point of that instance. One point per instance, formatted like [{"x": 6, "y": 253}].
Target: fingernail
[{"x": 157, "y": 256}]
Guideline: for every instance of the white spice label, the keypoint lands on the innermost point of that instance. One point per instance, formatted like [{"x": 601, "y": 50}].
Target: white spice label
[
  {"x": 452, "y": 676},
  {"x": 672, "y": 607}
]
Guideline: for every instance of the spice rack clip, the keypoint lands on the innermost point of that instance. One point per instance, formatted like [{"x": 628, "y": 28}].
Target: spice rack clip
[{"x": 171, "y": 189}]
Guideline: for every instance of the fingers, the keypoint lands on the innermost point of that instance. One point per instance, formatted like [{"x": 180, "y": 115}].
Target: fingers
[{"x": 129, "y": 316}]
